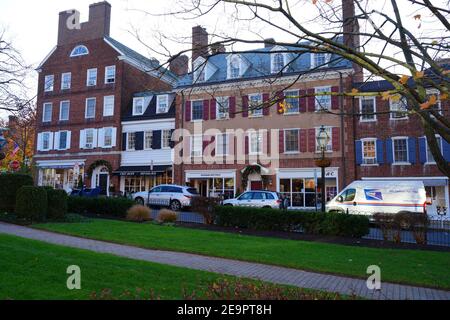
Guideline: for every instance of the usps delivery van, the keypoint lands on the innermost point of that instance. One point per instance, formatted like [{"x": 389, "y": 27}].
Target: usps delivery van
[{"x": 369, "y": 197}]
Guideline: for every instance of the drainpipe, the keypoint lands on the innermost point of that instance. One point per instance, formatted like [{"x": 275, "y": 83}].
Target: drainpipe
[
  {"x": 341, "y": 108},
  {"x": 181, "y": 127}
]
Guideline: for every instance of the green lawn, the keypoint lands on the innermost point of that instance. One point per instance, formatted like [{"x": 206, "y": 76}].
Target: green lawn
[{"x": 405, "y": 266}]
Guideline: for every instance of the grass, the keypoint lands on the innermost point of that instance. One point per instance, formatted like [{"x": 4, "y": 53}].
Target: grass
[
  {"x": 417, "y": 267},
  {"x": 33, "y": 270}
]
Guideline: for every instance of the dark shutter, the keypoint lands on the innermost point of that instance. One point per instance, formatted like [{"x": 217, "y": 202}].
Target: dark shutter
[
  {"x": 213, "y": 109},
  {"x": 245, "y": 106},
  {"x": 303, "y": 140},
  {"x": 358, "y": 152},
  {"x": 412, "y": 150},
  {"x": 172, "y": 140},
  {"x": 311, "y": 100},
  {"x": 445, "y": 150},
  {"x": 206, "y": 110},
  {"x": 422, "y": 150},
  {"x": 280, "y": 97},
  {"x": 232, "y": 102},
  {"x": 124, "y": 141},
  {"x": 389, "y": 151},
  {"x": 156, "y": 140},
  {"x": 380, "y": 153},
  {"x": 139, "y": 140},
  {"x": 336, "y": 139},
  {"x": 281, "y": 141},
  {"x": 266, "y": 104},
  {"x": 302, "y": 101},
  {"x": 247, "y": 149},
  {"x": 187, "y": 111},
  {"x": 335, "y": 99},
  {"x": 312, "y": 140}
]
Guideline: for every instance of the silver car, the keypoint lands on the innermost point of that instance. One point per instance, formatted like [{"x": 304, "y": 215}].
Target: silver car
[
  {"x": 257, "y": 199},
  {"x": 171, "y": 196}
]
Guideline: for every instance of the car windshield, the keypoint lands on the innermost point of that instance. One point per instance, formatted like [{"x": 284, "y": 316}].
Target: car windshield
[
  {"x": 246, "y": 196},
  {"x": 192, "y": 191}
]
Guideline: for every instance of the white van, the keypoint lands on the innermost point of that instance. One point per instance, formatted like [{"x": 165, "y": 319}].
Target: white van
[{"x": 369, "y": 197}]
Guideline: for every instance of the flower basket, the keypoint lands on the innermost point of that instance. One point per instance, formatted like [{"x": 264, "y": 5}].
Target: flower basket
[{"x": 323, "y": 163}]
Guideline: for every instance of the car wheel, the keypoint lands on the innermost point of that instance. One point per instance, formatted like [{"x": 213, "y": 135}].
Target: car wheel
[
  {"x": 267, "y": 207},
  {"x": 175, "y": 205},
  {"x": 139, "y": 201},
  {"x": 228, "y": 205}
]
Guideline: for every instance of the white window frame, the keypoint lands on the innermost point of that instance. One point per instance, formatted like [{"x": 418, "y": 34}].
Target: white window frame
[
  {"x": 85, "y": 138},
  {"x": 47, "y": 87},
  {"x": 394, "y": 162},
  {"x": 158, "y": 101},
  {"x": 260, "y": 110},
  {"x": 375, "y": 159},
  {"x": 374, "y": 109},
  {"x": 105, "y": 98},
  {"x": 232, "y": 58},
  {"x": 163, "y": 140},
  {"x": 191, "y": 148},
  {"x": 318, "y": 107},
  {"x": 106, "y": 75},
  {"x": 260, "y": 138},
  {"x": 314, "y": 56},
  {"x": 128, "y": 141},
  {"x": 135, "y": 100},
  {"x": 192, "y": 111},
  {"x": 47, "y": 104},
  {"x": 86, "y": 108},
  {"x": 69, "y": 74},
  {"x": 439, "y": 102},
  {"x": 298, "y": 102},
  {"x": 272, "y": 62},
  {"x": 226, "y": 144},
  {"x": 49, "y": 141},
  {"x": 88, "y": 84},
  {"x": 285, "y": 140},
  {"x": 145, "y": 140},
  {"x": 74, "y": 54},
  {"x": 391, "y": 112},
  {"x": 222, "y": 115},
  {"x": 61, "y": 108},
  {"x": 104, "y": 137},
  {"x": 428, "y": 162},
  {"x": 59, "y": 140},
  {"x": 200, "y": 66},
  {"x": 330, "y": 144}
]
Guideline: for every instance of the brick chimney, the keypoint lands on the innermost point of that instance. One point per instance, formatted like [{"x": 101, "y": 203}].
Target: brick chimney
[
  {"x": 199, "y": 42},
  {"x": 180, "y": 65},
  {"x": 217, "y": 48},
  {"x": 351, "y": 32},
  {"x": 269, "y": 42},
  {"x": 98, "y": 25}
]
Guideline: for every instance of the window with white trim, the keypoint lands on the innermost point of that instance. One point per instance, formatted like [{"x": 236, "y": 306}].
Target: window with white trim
[
  {"x": 430, "y": 158},
  {"x": 66, "y": 81},
  {"x": 329, "y": 147},
  {"x": 162, "y": 104},
  {"x": 131, "y": 140},
  {"x": 45, "y": 141},
  {"x": 62, "y": 143},
  {"x": 320, "y": 59},
  {"x": 437, "y": 106},
  {"x": 197, "y": 110},
  {"x": 400, "y": 150},
  {"x": 110, "y": 74},
  {"x": 108, "y": 106},
  {"x": 47, "y": 112},
  {"x": 278, "y": 62},
  {"x": 222, "y": 144},
  {"x": 292, "y": 102},
  {"x": 64, "y": 110},
  {"x": 166, "y": 137},
  {"x": 138, "y": 106},
  {"x": 398, "y": 107},
  {"x": 196, "y": 146},
  {"x": 108, "y": 137},
  {"x": 291, "y": 142},
  {"x": 91, "y": 79},
  {"x": 323, "y": 102},
  {"x": 255, "y": 108},
  {"x": 234, "y": 67},
  {"x": 256, "y": 143},
  {"x": 90, "y": 108},
  {"x": 148, "y": 140},
  {"x": 89, "y": 139},
  {"x": 199, "y": 70},
  {"x": 368, "y": 109},
  {"x": 79, "y": 51},
  {"x": 222, "y": 107},
  {"x": 49, "y": 83},
  {"x": 369, "y": 151}
]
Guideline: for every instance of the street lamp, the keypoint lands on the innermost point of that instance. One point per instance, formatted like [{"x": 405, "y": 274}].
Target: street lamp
[{"x": 323, "y": 140}]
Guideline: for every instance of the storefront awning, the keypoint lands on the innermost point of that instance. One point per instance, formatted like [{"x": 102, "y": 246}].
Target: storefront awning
[
  {"x": 435, "y": 182},
  {"x": 137, "y": 171}
]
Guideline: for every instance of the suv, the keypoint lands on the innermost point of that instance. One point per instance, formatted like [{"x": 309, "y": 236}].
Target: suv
[
  {"x": 172, "y": 196},
  {"x": 257, "y": 199}
]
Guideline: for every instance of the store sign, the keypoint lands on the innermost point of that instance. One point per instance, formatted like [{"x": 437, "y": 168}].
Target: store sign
[
  {"x": 206, "y": 175},
  {"x": 331, "y": 174}
]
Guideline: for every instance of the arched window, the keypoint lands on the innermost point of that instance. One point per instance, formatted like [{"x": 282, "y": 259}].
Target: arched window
[
  {"x": 277, "y": 62},
  {"x": 79, "y": 51},
  {"x": 235, "y": 67}
]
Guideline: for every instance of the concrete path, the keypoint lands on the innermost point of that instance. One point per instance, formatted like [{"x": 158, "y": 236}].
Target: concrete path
[{"x": 280, "y": 275}]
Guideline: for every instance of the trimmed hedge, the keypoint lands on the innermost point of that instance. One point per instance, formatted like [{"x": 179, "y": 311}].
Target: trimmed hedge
[
  {"x": 336, "y": 224},
  {"x": 9, "y": 184},
  {"x": 31, "y": 203},
  {"x": 116, "y": 207},
  {"x": 57, "y": 204}
]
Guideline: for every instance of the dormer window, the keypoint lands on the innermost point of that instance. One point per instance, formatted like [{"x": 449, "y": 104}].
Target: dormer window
[
  {"x": 278, "y": 62},
  {"x": 200, "y": 70},
  {"x": 162, "y": 104},
  {"x": 235, "y": 67},
  {"x": 138, "y": 106},
  {"x": 79, "y": 51},
  {"x": 320, "y": 60}
]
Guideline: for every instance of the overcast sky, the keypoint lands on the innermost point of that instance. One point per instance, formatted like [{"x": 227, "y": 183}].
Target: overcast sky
[{"x": 32, "y": 24}]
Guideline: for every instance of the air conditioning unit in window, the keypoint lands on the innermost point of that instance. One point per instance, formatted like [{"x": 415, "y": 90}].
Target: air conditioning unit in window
[
  {"x": 370, "y": 161},
  {"x": 91, "y": 83},
  {"x": 110, "y": 80},
  {"x": 88, "y": 145}
]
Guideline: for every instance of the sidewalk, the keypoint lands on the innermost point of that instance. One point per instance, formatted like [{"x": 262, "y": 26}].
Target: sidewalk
[{"x": 279, "y": 275}]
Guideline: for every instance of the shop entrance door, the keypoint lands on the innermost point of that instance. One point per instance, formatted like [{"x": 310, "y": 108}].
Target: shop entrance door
[
  {"x": 103, "y": 183},
  {"x": 202, "y": 187},
  {"x": 256, "y": 185}
]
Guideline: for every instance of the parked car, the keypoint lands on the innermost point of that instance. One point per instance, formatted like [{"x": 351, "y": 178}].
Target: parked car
[
  {"x": 172, "y": 196},
  {"x": 387, "y": 196},
  {"x": 257, "y": 199},
  {"x": 90, "y": 193}
]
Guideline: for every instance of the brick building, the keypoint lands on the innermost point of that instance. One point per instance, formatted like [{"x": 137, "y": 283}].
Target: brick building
[
  {"x": 84, "y": 83},
  {"x": 392, "y": 145}
]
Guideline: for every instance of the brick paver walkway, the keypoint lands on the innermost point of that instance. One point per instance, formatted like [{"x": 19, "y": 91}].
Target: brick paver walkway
[{"x": 280, "y": 275}]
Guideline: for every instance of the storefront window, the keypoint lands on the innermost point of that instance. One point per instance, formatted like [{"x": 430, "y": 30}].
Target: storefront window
[{"x": 134, "y": 184}]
